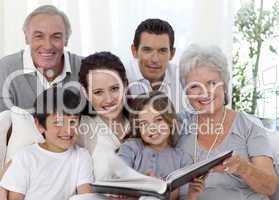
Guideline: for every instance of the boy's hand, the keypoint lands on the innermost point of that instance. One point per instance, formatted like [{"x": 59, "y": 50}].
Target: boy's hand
[
  {"x": 3, "y": 194},
  {"x": 195, "y": 188}
]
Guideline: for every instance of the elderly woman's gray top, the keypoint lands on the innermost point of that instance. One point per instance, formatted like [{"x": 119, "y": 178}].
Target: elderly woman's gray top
[{"x": 246, "y": 138}]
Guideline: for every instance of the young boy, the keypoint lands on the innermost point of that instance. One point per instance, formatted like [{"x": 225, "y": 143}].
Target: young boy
[{"x": 57, "y": 168}]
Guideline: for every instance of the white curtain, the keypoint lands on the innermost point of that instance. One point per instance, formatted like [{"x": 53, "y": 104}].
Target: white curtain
[{"x": 110, "y": 24}]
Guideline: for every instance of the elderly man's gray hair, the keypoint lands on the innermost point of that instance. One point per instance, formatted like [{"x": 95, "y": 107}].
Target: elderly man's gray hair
[
  {"x": 50, "y": 10},
  {"x": 208, "y": 56}
]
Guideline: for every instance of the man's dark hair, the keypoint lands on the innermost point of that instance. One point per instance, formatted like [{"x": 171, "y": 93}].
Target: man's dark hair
[
  {"x": 154, "y": 26},
  {"x": 56, "y": 100}
]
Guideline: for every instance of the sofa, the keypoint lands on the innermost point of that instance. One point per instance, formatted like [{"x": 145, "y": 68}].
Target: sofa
[
  {"x": 274, "y": 141},
  {"x": 22, "y": 120}
]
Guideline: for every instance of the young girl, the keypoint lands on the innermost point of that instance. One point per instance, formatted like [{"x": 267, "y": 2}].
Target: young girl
[{"x": 153, "y": 152}]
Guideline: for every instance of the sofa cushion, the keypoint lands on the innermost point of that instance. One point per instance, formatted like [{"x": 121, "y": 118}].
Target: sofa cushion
[
  {"x": 24, "y": 131},
  {"x": 274, "y": 141},
  {"x": 5, "y": 123}
]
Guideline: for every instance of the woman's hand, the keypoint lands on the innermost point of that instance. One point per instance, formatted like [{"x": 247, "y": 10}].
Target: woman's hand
[
  {"x": 257, "y": 172},
  {"x": 233, "y": 165},
  {"x": 195, "y": 188}
]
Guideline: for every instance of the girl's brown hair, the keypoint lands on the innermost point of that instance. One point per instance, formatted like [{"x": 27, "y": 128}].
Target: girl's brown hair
[{"x": 159, "y": 102}]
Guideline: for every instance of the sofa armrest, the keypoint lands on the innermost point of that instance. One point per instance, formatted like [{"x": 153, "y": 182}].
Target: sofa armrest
[{"x": 5, "y": 124}]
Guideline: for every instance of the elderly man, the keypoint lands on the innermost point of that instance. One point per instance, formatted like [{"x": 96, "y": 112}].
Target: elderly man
[
  {"x": 43, "y": 63},
  {"x": 153, "y": 48}
]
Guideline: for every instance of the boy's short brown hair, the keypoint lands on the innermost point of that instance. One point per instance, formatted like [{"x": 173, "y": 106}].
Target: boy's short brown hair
[{"x": 57, "y": 100}]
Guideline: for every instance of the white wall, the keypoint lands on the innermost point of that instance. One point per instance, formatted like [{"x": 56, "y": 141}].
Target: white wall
[
  {"x": 11, "y": 24},
  {"x": 1, "y": 27},
  {"x": 212, "y": 25},
  {"x": 110, "y": 25}
]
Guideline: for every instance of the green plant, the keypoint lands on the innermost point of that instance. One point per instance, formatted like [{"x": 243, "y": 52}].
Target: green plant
[{"x": 254, "y": 27}]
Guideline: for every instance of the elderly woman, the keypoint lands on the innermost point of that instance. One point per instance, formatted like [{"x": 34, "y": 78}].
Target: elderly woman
[{"x": 210, "y": 128}]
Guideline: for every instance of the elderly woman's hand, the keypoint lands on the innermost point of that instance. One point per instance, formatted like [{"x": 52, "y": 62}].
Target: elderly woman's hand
[
  {"x": 258, "y": 168},
  {"x": 233, "y": 165}
]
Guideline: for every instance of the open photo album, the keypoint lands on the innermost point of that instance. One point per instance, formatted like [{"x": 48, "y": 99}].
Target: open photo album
[{"x": 150, "y": 186}]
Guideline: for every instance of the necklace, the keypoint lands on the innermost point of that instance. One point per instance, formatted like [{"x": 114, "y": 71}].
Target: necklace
[{"x": 214, "y": 142}]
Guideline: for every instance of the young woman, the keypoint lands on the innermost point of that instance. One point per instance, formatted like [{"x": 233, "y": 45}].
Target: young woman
[{"x": 104, "y": 81}]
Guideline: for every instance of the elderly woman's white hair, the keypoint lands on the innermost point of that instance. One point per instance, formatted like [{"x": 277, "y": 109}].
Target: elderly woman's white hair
[
  {"x": 49, "y": 10},
  {"x": 209, "y": 56}
]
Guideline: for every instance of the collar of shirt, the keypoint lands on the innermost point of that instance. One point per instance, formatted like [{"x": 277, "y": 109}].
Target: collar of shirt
[
  {"x": 137, "y": 75},
  {"x": 29, "y": 68}
]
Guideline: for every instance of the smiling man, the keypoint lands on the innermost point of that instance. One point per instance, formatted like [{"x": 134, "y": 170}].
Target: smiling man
[
  {"x": 153, "y": 48},
  {"x": 43, "y": 63}
]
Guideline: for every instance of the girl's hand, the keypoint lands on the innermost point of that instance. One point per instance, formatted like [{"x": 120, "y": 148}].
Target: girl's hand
[
  {"x": 195, "y": 188},
  {"x": 150, "y": 173}
]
